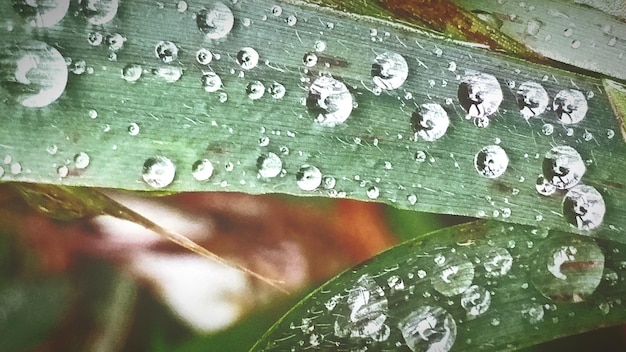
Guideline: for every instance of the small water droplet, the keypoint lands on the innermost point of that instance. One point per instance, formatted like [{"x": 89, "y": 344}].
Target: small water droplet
[
  {"x": 329, "y": 182},
  {"x": 497, "y": 262},
  {"x": 166, "y": 51},
  {"x": 330, "y": 100},
  {"x": 204, "y": 56},
  {"x": 182, "y": 6},
  {"x": 491, "y": 161},
  {"x": 255, "y": 90},
  {"x": 269, "y": 165},
  {"x": 309, "y": 59},
  {"x": 412, "y": 199},
  {"x": 202, "y": 170},
  {"x": 168, "y": 74},
  {"x": 430, "y": 121},
  {"x": 420, "y": 156},
  {"x": 454, "y": 277},
  {"x": 95, "y": 38},
  {"x": 319, "y": 46},
  {"x": 115, "y": 41},
  {"x": 291, "y": 20},
  {"x": 389, "y": 70},
  {"x": 563, "y": 167},
  {"x": 63, "y": 171},
  {"x": 532, "y": 99},
  {"x": 570, "y": 106},
  {"x": 428, "y": 329},
  {"x": 211, "y": 82},
  {"x": 308, "y": 177},
  {"x": 480, "y": 94},
  {"x": 584, "y": 207},
  {"x": 41, "y": 13},
  {"x": 132, "y": 72},
  {"x": 158, "y": 171},
  {"x": 373, "y": 192},
  {"x": 544, "y": 186},
  {"x": 247, "y": 58},
  {"x": 276, "y": 10},
  {"x": 476, "y": 300},
  {"x": 277, "y": 90},
  {"x": 215, "y": 21},
  {"x": 81, "y": 160},
  {"x": 99, "y": 12},
  {"x": 533, "y": 312},
  {"x": 133, "y": 129},
  {"x": 547, "y": 129}
]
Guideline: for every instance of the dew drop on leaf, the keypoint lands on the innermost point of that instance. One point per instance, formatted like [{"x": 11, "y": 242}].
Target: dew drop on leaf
[
  {"x": 276, "y": 10},
  {"x": 330, "y": 101},
  {"x": 215, "y": 21},
  {"x": 211, "y": 82},
  {"x": 204, "y": 56},
  {"x": 570, "y": 106},
  {"x": 308, "y": 177},
  {"x": 309, "y": 59},
  {"x": 276, "y": 90},
  {"x": 532, "y": 99},
  {"x": 41, "y": 13},
  {"x": 480, "y": 94},
  {"x": 133, "y": 129},
  {"x": 563, "y": 167},
  {"x": 202, "y": 170},
  {"x": 544, "y": 186},
  {"x": 584, "y": 207},
  {"x": 533, "y": 312},
  {"x": 247, "y": 58},
  {"x": 168, "y": 74},
  {"x": 428, "y": 329},
  {"x": 430, "y": 121},
  {"x": 166, "y": 51},
  {"x": 255, "y": 90},
  {"x": 132, "y": 72},
  {"x": 453, "y": 278},
  {"x": 99, "y": 12},
  {"x": 389, "y": 70},
  {"x": 491, "y": 161},
  {"x": 497, "y": 262},
  {"x": 95, "y": 38},
  {"x": 81, "y": 160},
  {"x": 373, "y": 192},
  {"x": 269, "y": 165},
  {"x": 158, "y": 171},
  {"x": 475, "y": 300}
]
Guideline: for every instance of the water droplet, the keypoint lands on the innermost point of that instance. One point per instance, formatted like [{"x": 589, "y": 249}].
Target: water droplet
[
  {"x": 532, "y": 99},
  {"x": 430, "y": 121},
  {"x": 570, "y": 106},
  {"x": 168, "y": 74},
  {"x": 132, "y": 72},
  {"x": 204, "y": 56},
  {"x": 567, "y": 268},
  {"x": 389, "y": 70},
  {"x": 255, "y": 90},
  {"x": 269, "y": 165},
  {"x": 95, "y": 38},
  {"x": 533, "y": 312},
  {"x": 412, "y": 199},
  {"x": 166, "y": 51},
  {"x": 133, "y": 129},
  {"x": 81, "y": 160},
  {"x": 41, "y": 13},
  {"x": 158, "y": 171},
  {"x": 395, "y": 282},
  {"x": 480, "y": 94},
  {"x": 247, "y": 58},
  {"x": 276, "y": 10},
  {"x": 291, "y": 20},
  {"x": 547, "y": 129},
  {"x": 497, "y": 262},
  {"x": 309, "y": 59},
  {"x": 319, "y": 46},
  {"x": 211, "y": 82},
  {"x": 99, "y": 12},
  {"x": 453, "y": 278},
  {"x": 308, "y": 177},
  {"x": 491, "y": 161},
  {"x": 51, "y": 149},
  {"x": 544, "y": 186},
  {"x": 36, "y": 73},
  {"x": 16, "y": 168},
  {"x": 563, "y": 167},
  {"x": 202, "y": 169},
  {"x": 584, "y": 207},
  {"x": 215, "y": 21},
  {"x": 63, "y": 171},
  {"x": 277, "y": 90},
  {"x": 330, "y": 100},
  {"x": 420, "y": 156},
  {"x": 373, "y": 192},
  {"x": 115, "y": 41},
  {"x": 476, "y": 300},
  {"x": 430, "y": 329},
  {"x": 365, "y": 311},
  {"x": 612, "y": 42},
  {"x": 329, "y": 182}
]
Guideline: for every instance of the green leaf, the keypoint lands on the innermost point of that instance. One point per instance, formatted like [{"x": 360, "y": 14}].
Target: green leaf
[
  {"x": 482, "y": 285},
  {"x": 150, "y": 134}
]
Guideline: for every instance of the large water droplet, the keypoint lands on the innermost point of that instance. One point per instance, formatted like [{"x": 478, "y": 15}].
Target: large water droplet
[
  {"x": 202, "y": 169},
  {"x": 330, "y": 100},
  {"x": 428, "y": 329},
  {"x": 166, "y": 51},
  {"x": 584, "y": 207},
  {"x": 158, "y": 171},
  {"x": 567, "y": 268},
  {"x": 475, "y": 300},
  {"x": 41, "y": 13},
  {"x": 453, "y": 278},
  {"x": 532, "y": 99},
  {"x": 491, "y": 161},
  {"x": 497, "y": 262},
  {"x": 364, "y": 313},
  {"x": 308, "y": 177},
  {"x": 99, "y": 12},
  {"x": 570, "y": 106},
  {"x": 247, "y": 58},
  {"x": 563, "y": 166},
  {"x": 269, "y": 165},
  {"x": 33, "y": 72},
  {"x": 216, "y": 20},
  {"x": 479, "y": 94},
  {"x": 430, "y": 121},
  {"x": 211, "y": 82},
  {"x": 389, "y": 70}
]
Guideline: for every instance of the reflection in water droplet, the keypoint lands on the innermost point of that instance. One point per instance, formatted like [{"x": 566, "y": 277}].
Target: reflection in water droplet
[
  {"x": 41, "y": 13},
  {"x": 497, "y": 262},
  {"x": 584, "y": 207},
  {"x": 544, "y": 186},
  {"x": 269, "y": 165},
  {"x": 33, "y": 72},
  {"x": 211, "y": 82},
  {"x": 204, "y": 56},
  {"x": 277, "y": 90},
  {"x": 330, "y": 100},
  {"x": 364, "y": 313},
  {"x": 567, "y": 267},
  {"x": 547, "y": 129},
  {"x": 453, "y": 278},
  {"x": 81, "y": 160},
  {"x": 308, "y": 177},
  {"x": 480, "y": 94},
  {"x": 202, "y": 169},
  {"x": 532, "y": 99},
  {"x": 158, "y": 171},
  {"x": 215, "y": 21},
  {"x": 563, "y": 166},
  {"x": 309, "y": 59},
  {"x": 570, "y": 106},
  {"x": 476, "y": 300},
  {"x": 99, "y": 12},
  {"x": 166, "y": 51},
  {"x": 373, "y": 192},
  {"x": 533, "y": 312},
  {"x": 430, "y": 121},
  {"x": 389, "y": 70},
  {"x": 247, "y": 58},
  {"x": 255, "y": 90},
  {"x": 428, "y": 329},
  {"x": 491, "y": 161},
  {"x": 132, "y": 72}
]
